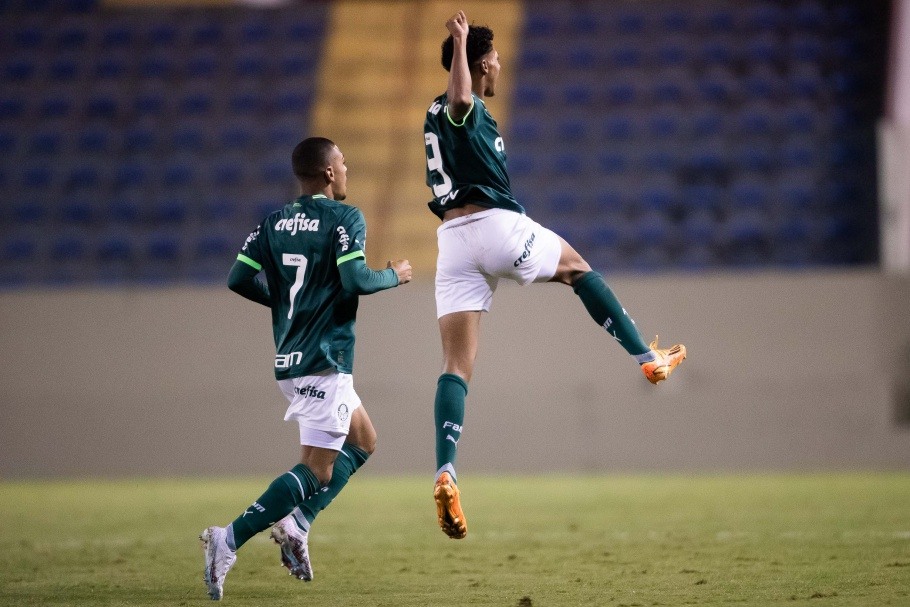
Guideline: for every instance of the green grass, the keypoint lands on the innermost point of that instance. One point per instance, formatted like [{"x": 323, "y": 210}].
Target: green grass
[{"x": 645, "y": 540}]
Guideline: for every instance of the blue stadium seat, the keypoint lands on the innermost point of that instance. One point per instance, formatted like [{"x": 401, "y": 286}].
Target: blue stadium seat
[
  {"x": 19, "y": 249},
  {"x": 163, "y": 247},
  {"x": 296, "y": 102},
  {"x": 619, "y": 127},
  {"x": 140, "y": 137},
  {"x": 535, "y": 58},
  {"x": 150, "y": 102},
  {"x": 44, "y": 143},
  {"x": 749, "y": 194},
  {"x": 525, "y": 128},
  {"x": 207, "y": 33},
  {"x": 179, "y": 173},
  {"x": 80, "y": 210},
  {"x": 540, "y": 24},
  {"x": 673, "y": 52},
  {"x": 613, "y": 162},
  {"x": 102, "y": 104},
  {"x": 116, "y": 36},
  {"x": 810, "y": 15},
  {"x": 115, "y": 246},
  {"x": 251, "y": 64},
  {"x": 157, "y": 67},
  {"x": 799, "y": 153},
  {"x": 286, "y": 134},
  {"x": 763, "y": 16},
  {"x": 85, "y": 177},
  {"x": 659, "y": 196},
  {"x": 659, "y": 160},
  {"x": 9, "y": 141},
  {"x": 94, "y": 139},
  {"x": 70, "y": 38},
  {"x": 756, "y": 155},
  {"x": 69, "y": 246},
  {"x": 111, "y": 67},
  {"x": 196, "y": 102},
  {"x": 525, "y": 94},
  {"x": 805, "y": 81},
  {"x": 11, "y": 108},
  {"x": 64, "y": 69},
  {"x": 126, "y": 207},
  {"x": 216, "y": 246},
  {"x": 622, "y": 92},
  {"x": 276, "y": 169},
  {"x": 132, "y": 174},
  {"x": 191, "y": 136},
  {"x": 229, "y": 171},
  {"x": 18, "y": 70},
  {"x": 28, "y": 37},
  {"x": 255, "y": 32},
  {"x": 168, "y": 208},
  {"x": 297, "y": 64},
  {"x": 573, "y": 127},
  {"x": 578, "y": 94},
  {"x": 237, "y": 137},
  {"x": 718, "y": 50},
  {"x": 201, "y": 65},
  {"x": 249, "y": 102}
]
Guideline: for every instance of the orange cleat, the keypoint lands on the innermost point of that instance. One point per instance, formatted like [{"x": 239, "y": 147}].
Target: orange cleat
[
  {"x": 448, "y": 507},
  {"x": 659, "y": 369}
]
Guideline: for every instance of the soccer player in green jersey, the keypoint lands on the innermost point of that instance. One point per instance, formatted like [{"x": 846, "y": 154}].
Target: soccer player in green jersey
[
  {"x": 312, "y": 254},
  {"x": 485, "y": 236}
]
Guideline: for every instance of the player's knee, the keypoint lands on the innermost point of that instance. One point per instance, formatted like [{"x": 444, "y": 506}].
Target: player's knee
[{"x": 324, "y": 475}]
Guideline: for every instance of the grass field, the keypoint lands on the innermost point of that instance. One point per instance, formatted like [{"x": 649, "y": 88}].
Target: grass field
[{"x": 534, "y": 541}]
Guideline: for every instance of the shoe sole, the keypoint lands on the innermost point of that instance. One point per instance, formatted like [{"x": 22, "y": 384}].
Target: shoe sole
[
  {"x": 303, "y": 570},
  {"x": 447, "y": 509}
]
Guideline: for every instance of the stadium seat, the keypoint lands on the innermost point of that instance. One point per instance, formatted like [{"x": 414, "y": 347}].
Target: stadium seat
[
  {"x": 94, "y": 139},
  {"x": 252, "y": 64},
  {"x": 9, "y": 141},
  {"x": 80, "y": 210},
  {"x": 190, "y": 136},
  {"x": 11, "y": 108},
  {"x": 44, "y": 143},
  {"x": 19, "y": 249},
  {"x": 84, "y": 177}
]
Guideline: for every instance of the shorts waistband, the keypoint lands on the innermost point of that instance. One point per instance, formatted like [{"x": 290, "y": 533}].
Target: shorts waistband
[{"x": 465, "y": 219}]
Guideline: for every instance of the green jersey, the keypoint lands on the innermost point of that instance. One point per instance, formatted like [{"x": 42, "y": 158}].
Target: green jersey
[
  {"x": 466, "y": 161},
  {"x": 299, "y": 248}
]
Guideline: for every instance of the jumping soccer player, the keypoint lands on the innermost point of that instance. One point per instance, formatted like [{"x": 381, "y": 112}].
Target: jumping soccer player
[
  {"x": 312, "y": 254},
  {"x": 485, "y": 236}
]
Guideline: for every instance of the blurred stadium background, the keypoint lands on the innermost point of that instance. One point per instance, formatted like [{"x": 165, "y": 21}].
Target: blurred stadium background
[{"x": 738, "y": 170}]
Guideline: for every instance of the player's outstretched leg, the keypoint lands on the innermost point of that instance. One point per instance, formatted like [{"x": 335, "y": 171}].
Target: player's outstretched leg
[
  {"x": 605, "y": 309},
  {"x": 666, "y": 360},
  {"x": 295, "y": 553},
  {"x": 219, "y": 559},
  {"x": 448, "y": 507}
]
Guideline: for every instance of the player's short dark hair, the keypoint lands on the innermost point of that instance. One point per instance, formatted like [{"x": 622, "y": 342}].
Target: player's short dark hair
[
  {"x": 312, "y": 156},
  {"x": 480, "y": 42}
]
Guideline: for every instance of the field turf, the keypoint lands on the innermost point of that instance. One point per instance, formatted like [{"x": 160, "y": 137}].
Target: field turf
[{"x": 820, "y": 540}]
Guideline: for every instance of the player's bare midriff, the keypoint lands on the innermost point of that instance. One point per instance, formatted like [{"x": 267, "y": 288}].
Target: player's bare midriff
[{"x": 462, "y": 211}]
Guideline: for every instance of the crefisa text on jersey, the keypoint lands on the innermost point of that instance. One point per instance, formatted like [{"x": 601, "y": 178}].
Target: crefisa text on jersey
[{"x": 297, "y": 223}]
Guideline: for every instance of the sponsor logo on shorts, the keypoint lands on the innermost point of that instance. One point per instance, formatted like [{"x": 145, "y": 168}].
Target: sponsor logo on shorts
[
  {"x": 297, "y": 223},
  {"x": 308, "y": 391},
  {"x": 529, "y": 243},
  {"x": 343, "y": 412}
]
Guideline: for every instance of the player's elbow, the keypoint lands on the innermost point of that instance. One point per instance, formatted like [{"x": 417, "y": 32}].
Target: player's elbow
[{"x": 234, "y": 283}]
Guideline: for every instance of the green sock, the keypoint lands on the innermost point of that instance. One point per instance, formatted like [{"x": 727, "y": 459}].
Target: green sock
[
  {"x": 279, "y": 499},
  {"x": 451, "y": 391},
  {"x": 606, "y": 311},
  {"x": 349, "y": 460}
]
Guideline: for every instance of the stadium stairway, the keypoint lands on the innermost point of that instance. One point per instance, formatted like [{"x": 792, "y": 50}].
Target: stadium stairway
[{"x": 380, "y": 71}]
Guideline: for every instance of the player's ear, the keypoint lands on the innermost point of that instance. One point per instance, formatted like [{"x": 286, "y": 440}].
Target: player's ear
[{"x": 329, "y": 174}]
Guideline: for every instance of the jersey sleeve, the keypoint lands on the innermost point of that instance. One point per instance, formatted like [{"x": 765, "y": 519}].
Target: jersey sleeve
[
  {"x": 250, "y": 252},
  {"x": 350, "y": 236},
  {"x": 470, "y": 121}
]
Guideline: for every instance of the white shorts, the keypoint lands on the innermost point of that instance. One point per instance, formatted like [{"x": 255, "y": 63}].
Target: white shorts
[
  {"x": 323, "y": 405},
  {"x": 476, "y": 250}
]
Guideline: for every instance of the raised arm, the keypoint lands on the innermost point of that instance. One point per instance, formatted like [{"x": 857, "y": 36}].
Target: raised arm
[{"x": 459, "y": 91}]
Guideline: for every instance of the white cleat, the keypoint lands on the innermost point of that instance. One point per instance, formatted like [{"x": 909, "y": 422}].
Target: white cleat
[
  {"x": 218, "y": 560},
  {"x": 295, "y": 553}
]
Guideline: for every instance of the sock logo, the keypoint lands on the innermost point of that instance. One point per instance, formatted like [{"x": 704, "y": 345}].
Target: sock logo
[
  {"x": 455, "y": 427},
  {"x": 255, "y": 506}
]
